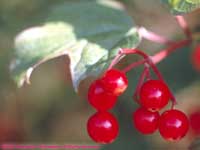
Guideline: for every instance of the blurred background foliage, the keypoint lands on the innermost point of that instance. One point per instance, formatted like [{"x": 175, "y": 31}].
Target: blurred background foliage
[{"x": 49, "y": 110}]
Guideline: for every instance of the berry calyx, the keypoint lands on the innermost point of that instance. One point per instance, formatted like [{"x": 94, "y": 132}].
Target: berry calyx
[
  {"x": 145, "y": 121},
  {"x": 195, "y": 122},
  {"x": 195, "y": 58},
  {"x": 115, "y": 81},
  {"x": 154, "y": 95},
  {"x": 173, "y": 125},
  {"x": 99, "y": 98},
  {"x": 103, "y": 127}
]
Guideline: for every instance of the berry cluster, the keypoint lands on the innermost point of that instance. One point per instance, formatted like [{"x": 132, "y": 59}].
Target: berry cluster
[
  {"x": 152, "y": 96},
  {"x": 102, "y": 95}
]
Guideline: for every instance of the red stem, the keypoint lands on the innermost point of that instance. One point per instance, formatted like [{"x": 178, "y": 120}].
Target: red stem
[
  {"x": 150, "y": 61},
  {"x": 135, "y": 51},
  {"x": 155, "y": 69},
  {"x": 154, "y": 37},
  {"x": 184, "y": 25},
  {"x": 148, "y": 71},
  {"x": 164, "y": 53},
  {"x": 140, "y": 82},
  {"x": 116, "y": 59},
  {"x": 133, "y": 65},
  {"x": 157, "y": 57},
  {"x": 157, "y": 72}
]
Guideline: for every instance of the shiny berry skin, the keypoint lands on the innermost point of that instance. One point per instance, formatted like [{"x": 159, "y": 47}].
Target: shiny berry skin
[
  {"x": 195, "y": 122},
  {"x": 154, "y": 95},
  {"x": 103, "y": 127},
  {"x": 173, "y": 125},
  {"x": 195, "y": 58},
  {"x": 145, "y": 121},
  {"x": 99, "y": 98},
  {"x": 115, "y": 81}
]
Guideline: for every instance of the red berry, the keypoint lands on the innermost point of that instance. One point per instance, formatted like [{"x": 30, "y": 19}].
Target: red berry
[
  {"x": 99, "y": 98},
  {"x": 173, "y": 125},
  {"x": 103, "y": 127},
  {"x": 115, "y": 81},
  {"x": 195, "y": 122},
  {"x": 154, "y": 95},
  {"x": 195, "y": 58},
  {"x": 145, "y": 121}
]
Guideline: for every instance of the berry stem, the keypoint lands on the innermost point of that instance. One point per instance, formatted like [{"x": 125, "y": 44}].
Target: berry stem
[
  {"x": 116, "y": 59},
  {"x": 135, "y": 51},
  {"x": 133, "y": 65},
  {"x": 159, "y": 75},
  {"x": 166, "y": 52},
  {"x": 155, "y": 69},
  {"x": 158, "y": 57},
  {"x": 144, "y": 74},
  {"x": 148, "y": 75},
  {"x": 154, "y": 37},
  {"x": 151, "y": 62},
  {"x": 184, "y": 25}
]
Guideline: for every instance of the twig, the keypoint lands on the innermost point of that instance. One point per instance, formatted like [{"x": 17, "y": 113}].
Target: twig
[{"x": 151, "y": 36}]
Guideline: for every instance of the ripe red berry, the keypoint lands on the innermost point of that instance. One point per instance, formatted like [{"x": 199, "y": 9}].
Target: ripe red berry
[
  {"x": 195, "y": 122},
  {"x": 173, "y": 125},
  {"x": 154, "y": 95},
  {"x": 99, "y": 98},
  {"x": 195, "y": 58},
  {"x": 145, "y": 121},
  {"x": 115, "y": 81},
  {"x": 103, "y": 127}
]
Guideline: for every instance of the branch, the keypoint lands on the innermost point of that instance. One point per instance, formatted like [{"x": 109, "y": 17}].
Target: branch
[
  {"x": 145, "y": 74},
  {"x": 184, "y": 25},
  {"x": 154, "y": 37},
  {"x": 133, "y": 65},
  {"x": 166, "y": 52},
  {"x": 159, "y": 75},
  {"x": 117, "y": 58}
]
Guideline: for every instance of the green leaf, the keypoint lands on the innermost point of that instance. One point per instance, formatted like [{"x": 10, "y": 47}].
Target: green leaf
[
  {"x": 89, "y": 32},
  {"x": 193, "y": 1},
  {"x": 182, "y": 6}
]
